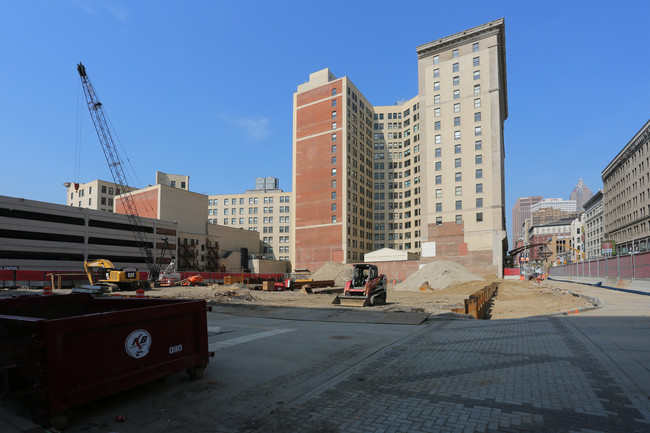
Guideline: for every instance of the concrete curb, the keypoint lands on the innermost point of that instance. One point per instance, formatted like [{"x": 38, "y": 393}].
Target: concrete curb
[{"x": 636, "y": 292}]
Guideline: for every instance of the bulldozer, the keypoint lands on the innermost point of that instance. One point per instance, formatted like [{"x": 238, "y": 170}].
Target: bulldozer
[
  {"x": 366, "y": 288},
  {"x": 110, "y": 277}
]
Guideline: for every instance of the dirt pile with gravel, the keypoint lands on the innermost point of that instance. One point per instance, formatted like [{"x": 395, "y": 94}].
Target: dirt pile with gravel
[
  {"x": 341, "y": 274},
  {"x": 437, "y": 276}
]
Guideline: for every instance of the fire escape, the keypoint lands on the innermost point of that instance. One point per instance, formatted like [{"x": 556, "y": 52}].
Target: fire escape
[
  {"x": 187, "y": 256},
  {"x": 212, "y": 256}
]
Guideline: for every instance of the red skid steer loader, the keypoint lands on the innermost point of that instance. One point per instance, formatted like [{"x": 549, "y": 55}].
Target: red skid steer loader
[{"x": 366, "y": 288}]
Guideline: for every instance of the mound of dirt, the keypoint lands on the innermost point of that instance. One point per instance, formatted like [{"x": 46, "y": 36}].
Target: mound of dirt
[
  {"x": 334, "y": 271},
  {"x": 437, "y": 276}
]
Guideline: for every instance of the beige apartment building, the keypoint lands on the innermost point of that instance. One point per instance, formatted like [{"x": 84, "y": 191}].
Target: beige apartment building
[
  {"x": 266, "y": 209},
  {"x": 424, "y": 175},
  {"x": 97, "y": 194},
  {"x": 626, "y": 195},
  {"x": 100, "y": 194}
]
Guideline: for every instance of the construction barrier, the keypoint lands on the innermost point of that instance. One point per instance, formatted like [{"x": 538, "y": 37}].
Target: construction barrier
[{"x": 477, "y": 304}]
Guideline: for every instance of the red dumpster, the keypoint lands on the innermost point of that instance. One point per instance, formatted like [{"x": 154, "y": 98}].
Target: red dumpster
[{"x": 67, "y": 350}]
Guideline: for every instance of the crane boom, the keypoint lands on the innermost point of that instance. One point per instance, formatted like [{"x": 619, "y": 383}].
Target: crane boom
[{"x": 115, "y": 164}]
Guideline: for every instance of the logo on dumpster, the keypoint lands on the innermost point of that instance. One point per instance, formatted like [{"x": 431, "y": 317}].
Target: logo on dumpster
[{"x": 137, "y": 344}]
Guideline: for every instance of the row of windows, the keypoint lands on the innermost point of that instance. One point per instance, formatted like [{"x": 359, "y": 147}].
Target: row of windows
[
  {"x": 456, "y": 52},
  {"x": 251, "y": 200},
  {"x": 459, "y": 204},
  {"x": 478, "y": 159},
  {"x": 476, "y": 75}
]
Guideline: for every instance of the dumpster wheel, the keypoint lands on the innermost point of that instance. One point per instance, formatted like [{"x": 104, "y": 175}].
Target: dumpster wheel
[{"x": 196, "y": 372}]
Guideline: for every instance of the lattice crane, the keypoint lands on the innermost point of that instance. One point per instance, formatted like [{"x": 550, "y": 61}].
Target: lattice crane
[{"x": 115, "y": 164}]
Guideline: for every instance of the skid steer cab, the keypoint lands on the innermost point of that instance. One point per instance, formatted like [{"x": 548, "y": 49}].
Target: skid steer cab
[{"x": 366, "y": 288}]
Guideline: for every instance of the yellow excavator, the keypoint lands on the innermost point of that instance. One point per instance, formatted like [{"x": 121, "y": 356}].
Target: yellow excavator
[{"x": 111, "y": 277}]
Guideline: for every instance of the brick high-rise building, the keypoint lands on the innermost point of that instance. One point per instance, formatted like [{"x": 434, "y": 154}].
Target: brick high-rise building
[
  {"x": 520, "y": 212},
  {"x": 427, "y": 172}
]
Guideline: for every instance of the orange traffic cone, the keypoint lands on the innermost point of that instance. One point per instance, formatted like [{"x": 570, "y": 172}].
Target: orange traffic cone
[
  {"x": 139, "y": 293},
  {"x": 47, "y": 290}
]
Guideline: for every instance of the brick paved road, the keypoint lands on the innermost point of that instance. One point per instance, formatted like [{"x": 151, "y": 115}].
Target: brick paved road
[{"x": 528, "y": 375}]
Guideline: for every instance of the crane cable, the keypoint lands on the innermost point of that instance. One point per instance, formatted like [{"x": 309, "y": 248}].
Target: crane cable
[{"x": 78, "y": 131}]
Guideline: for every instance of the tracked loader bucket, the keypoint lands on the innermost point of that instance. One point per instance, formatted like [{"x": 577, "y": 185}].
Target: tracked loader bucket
[{"x": 351, "y": 301}]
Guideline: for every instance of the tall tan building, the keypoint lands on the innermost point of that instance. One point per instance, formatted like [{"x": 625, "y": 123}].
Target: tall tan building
[
  {"x": 520, "y": 212},
  {"x": 626, "y": 195},
  {"x": 424, "y": 175},
  {"x": 265, "y": 209}
]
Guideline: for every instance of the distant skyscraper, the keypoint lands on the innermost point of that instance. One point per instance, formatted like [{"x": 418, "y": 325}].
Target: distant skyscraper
[
  {"x": 521, "y": 211},
  {"x": 581, "y": 194}
]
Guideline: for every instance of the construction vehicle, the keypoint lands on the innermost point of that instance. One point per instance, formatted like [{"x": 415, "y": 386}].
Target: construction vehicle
[
  {"x": 115, "y": 165},
  {"x": 366, "y": 288},
  {"x": 110, "y": 277}
]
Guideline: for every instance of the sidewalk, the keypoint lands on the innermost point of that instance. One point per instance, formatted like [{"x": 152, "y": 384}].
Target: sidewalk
[{"x": 582, "y": 373}]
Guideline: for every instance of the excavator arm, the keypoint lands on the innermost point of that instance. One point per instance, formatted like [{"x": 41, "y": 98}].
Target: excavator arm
[{"x": 103, "y": 263}]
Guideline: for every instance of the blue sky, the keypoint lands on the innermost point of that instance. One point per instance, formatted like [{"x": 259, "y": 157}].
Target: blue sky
[{"x": 204, "y": 88}]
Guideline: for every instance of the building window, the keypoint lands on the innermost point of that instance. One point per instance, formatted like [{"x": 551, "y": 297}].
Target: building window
[
  {"x": 334, "y": 91},
  {"x": 334, "y": 184},
  {"x": 436, "y": 85},
  {"x": 458, "y": 176},
  {"x": 478, "y": 145},
  {"x": 104, "y": 189},
  {"x": 458, "y": 191},
  {"x": 479, "y": 217},
  {"x": 477, "y": 103},
  {"x": 333, "y": 207},
  {"x": 436, "y": 99},
  {"x": 478, "y": 159},
  {"x": 333, "y": 218},
  {"x": 477, "y": 116},
  {"x": 438, "y": 139},
  {"x": 333, "y": 172},
  {"x": 459, "y": 219},
  {"x": 477, "y": 89},
  {"x": 456, "y": 135},
  {"x": 438, "y": 179},
  {"x": 454, "y": 67},
  {"x": 457, "y": 107},
  {"x": 438, "y": 193},
  {"x": 475, "y": 47},
  {"x": 478, "y": 130},
  {"x": 333, "y": 102},
  {"x": 436, "y": 60},
  {"x": 438, "y": 165},
  {"x": 479, "y": 188},
  {"x": 334, "y": 160},
  {"x": 457, "y": 121},
  {"x": 438, "y": 207},
  {"x": 456, "y": 94},
  {"x": 456, "y": 81},
  {"x": 436, "y": 125},
  {"x": 476, "y": 61},
  {"x": 436, "y": 73},
  {"x": 457, "y": 148},
  {"x": 479, "y": 202},
  {"x": 457, "y": 162},
  {"x": 333, "y": 125},
  {"x": 333, "y": 114},
  {"x": 479, "y": 173},
  {"x": 333, "y": 137},
  {"x": 333, "y": 148},
  {"x": 436, "y": 112},
  {"x": 333, "y": 196},
  {"x": 454, "y": 53},
  {"x": 477, "y": 75},
  {"x": 438, "y": 152},
  {"x": 459, "y": 204},
  {"x": 438, "y": 220}
]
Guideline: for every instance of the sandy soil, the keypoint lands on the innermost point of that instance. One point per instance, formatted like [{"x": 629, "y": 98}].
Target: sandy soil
[{"x": 514, "y": 299}]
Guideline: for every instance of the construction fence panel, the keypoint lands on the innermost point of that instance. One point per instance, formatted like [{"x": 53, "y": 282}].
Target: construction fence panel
[{"x": 630, "y": 266}]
